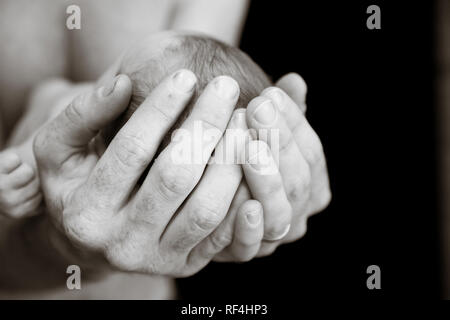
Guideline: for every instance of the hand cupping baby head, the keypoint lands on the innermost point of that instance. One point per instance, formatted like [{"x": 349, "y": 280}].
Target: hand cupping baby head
[{"x": 158, "y": 56}]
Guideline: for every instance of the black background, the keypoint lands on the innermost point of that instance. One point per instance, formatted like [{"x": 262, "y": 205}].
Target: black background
[{"x": 370, "y": 99}]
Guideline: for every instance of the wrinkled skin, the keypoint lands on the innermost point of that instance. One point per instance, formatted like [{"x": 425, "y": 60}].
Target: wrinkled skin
[{"x": 100, "y": 208}]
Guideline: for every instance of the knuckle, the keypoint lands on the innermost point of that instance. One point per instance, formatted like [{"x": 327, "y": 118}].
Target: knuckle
[
  {"x": 213, "y": 122},
  {"x": 160, "y": 109},
  {"x": 176, "y": 181},
  {"x": 287, "y": 143},
  {"x": 144, "y": 209},
  {"x": 220, "y": 241},
  {"x": 314, "y": 154},
  {"x": 83, "y": 230},
  {"x": 127, "y": 255},
  {"x": 72, "y": 111},
  {"x": 246, "y": 241},
  {"x": 124, "y": 260},
  {"x": 300, "y": 189},
  {"x": 271, "y": 187},
  {"x": 206, "y": 216},
  {"x": 183, "y": 244},
  {"x": 130, "y": 151}
]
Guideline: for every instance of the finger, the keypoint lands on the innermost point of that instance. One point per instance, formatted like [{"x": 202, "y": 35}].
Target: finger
[
  {"x": 298, "y": 229},
  {"x": 21, "y": 176},
  {"x": 12, "y": 197},
  {"x": 136, "y": 143},
  {"x": 9, "y": 161},
  {"x": 308, "y": 143},
  {"x": 271, "y": 127},
  {"x": 226, "y": 228},
  {"x": 25, "y": 193},
  {"x": 70, "y": 132},
  {"x": 216, "y": 190},
  {"x": 267, "y": 248},
  {"x": 28, "y": 207},
  {"x": 217, "y": 242},
  {"x": 294, "y": 85},
  {"x": 266, "y": 186},
  {"x": 249, "y": 231},
  {"x": 172, "y": 178}
]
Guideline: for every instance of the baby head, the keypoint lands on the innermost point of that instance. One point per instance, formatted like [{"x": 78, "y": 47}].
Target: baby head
[{"x": 158, "y": 56}]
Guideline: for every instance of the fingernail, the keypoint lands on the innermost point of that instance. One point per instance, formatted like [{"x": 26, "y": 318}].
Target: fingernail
[
  {"x": 277, "y": 96},
  {"x": 109, "y": 88},
  {"x": 226, "y": 87},
  {"x": 260, "y": 158},
  {"x": 265, "y": 113},
  {"x": 184, "y": 80},
  {"x": 253, "y": 218},
  {"x": 280, "y": 236}
]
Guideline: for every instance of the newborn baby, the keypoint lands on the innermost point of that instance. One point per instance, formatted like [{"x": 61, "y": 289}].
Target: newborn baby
[{"x": 146, "y": 63}]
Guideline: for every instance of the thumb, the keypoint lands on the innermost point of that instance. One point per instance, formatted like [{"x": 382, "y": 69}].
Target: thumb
[{"x": 72, "y": 130}]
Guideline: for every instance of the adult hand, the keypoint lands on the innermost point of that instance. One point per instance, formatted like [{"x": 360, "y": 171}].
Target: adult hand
[
  {"x": 95, "y": 198},
  {"x": 291, "y": 187}
]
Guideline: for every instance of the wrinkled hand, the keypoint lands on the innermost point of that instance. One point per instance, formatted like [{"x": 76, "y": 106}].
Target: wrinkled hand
[
  {"x": 161, "y": 226},
  {"x": 295, "y": 189}
]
